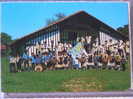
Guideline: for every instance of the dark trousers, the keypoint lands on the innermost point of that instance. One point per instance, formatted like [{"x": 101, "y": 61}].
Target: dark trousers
[
  {"x": 33, "y": 66},
  {"x": 30, "y": 68},
  {"x": 19, "y": 66},
  {"x": 25, "y": 65},
  {"x": 12, "y": 68}
]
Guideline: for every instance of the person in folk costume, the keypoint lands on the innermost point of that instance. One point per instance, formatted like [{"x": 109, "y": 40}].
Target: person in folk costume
[
  {"x": 45, "y": 47},
  {"x": 82, "y": 40},
  {"x": 27, "y": 49},
  {"x": 117, "y": 61},
  {"x": 127, "y": 47},
  {"x": 88, "y": 43},
  {"x": 104, "y": 59},
  {"x": 77, "y": 63},
  {"x": 25, "y": 57},
  {"x": 33, "y": 49},
  {"x": 65, "y": 47},
  {"x": 66, "y": 61},
  {"x": 18, "y": 63},
  {"x": 84, "y": 61},
  {"x": 124, "y": 49},
  {"x": 44, "y": 60},
  {"x": 110, "y": 45},
  {"x": 49, "y": 46},
  {"x": 60, "y": 47},
  {"x": 90, "y": 60},
  {"x": 111, "y": 48},
  {"x": 29, "y": 65},
  {"x": 38, "y": 47},
  {"x": 32, "y": 61},
  {"x": 95, "y": 57},
  {"x": 52, "y": 45},
  {"x": 83, "y": 55},
  {"x": 37, "y": 60},
  {"x": 39, "y": 54},
  {"x": 115, "y": 48},
  {"x": 107, "y": 47},
  {"x": 111, "y": 61},
  {"x": 69, "y": 45},
  {"x": 12, "y": 64},
  {"x": 57, "y": 49},
  {"x": 100, "y": 59},
  {"x": 94, "y": 48},
  {"x": 78, "y": 39},
  {"x": 101, "y": 48},
  {"x": 60, "y": 61},
  {"x": 42, "y": 47},
  {"x": 123, "y": 64},
  {"x": 120, "y": 47}
]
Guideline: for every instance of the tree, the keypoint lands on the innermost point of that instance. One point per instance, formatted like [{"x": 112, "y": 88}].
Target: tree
[
  {"x": 50, "y": 21},
  {"x": 58, "y": 16},
  {"x": 124, "y": 30},
  {"x": 5, "y": 39}
]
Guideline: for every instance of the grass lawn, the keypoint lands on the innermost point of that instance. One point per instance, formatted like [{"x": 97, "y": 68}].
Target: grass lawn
[{"x": 64, "y": 80}]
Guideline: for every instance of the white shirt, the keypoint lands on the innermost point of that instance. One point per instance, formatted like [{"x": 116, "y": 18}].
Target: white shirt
[{"x": 12, "y": 60}]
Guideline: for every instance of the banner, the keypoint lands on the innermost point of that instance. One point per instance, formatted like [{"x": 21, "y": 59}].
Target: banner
[{"x": 76, "y": 50}]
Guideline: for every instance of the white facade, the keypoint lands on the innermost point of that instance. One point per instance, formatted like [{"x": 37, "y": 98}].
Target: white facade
[
  {"x": 51, "y": 36},
  {"x": 105, "y": 37}
]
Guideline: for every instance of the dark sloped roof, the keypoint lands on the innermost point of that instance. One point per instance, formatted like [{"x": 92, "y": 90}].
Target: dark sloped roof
[{"x": 61, "y": 20}]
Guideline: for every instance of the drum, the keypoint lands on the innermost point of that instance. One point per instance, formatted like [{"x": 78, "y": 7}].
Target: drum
[
  {"x": 39, "y": 68},
  {"x": 105, "y": 58},
  {"x": 118, "y": 58}
]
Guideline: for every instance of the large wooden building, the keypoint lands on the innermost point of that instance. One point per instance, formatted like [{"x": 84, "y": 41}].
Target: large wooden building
[{"x": 79, "y": 24}]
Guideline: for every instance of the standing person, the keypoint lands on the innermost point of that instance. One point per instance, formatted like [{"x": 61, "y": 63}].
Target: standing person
[
  {"x": 69, "y": 46},
  {"x": 95, "y": 60},
  {"x": 45, "y": 47},
  {"x": 49, "y": 46},
  {"x": 38, "y": 60},
  {"x": 78, "y": 39},
  {"x": 18, "y": 63},
  {"x": 59, "y": 48},
  {"x": 44, "y": 60},
  {"x": 65, "y": 47},
  {"x": 117, "y": 61},
  {"x": 52, "y": 46},
  {"x": 12, "y": 64},
  {"x": 25, "y": 59},
  {"x": 76, "y": 63},
  {"x": 88, "y": 43},
  {"x": 127, "y": 49},
  {"x": 29, "y": 68},
  {"x": 32, "y": 61},
  {"x": 120, "y": 48},
  {"x": 105, "y": 60}
]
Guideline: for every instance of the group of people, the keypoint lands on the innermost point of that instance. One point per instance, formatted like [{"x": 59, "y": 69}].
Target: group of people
[{"x": 110, "y": 55}]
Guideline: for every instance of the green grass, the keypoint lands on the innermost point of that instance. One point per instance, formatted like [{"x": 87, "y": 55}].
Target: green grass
[{"x": 64, "y": 80}]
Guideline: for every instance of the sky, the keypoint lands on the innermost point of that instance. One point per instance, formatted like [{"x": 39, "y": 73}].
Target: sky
[{"x": 20, "y": 19}]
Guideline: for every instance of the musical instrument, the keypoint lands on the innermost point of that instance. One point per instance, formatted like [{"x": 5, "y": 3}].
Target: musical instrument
[
  {"x": 118, "y": 58},
  {"x": 105, "y": 58},
  {"x": 39, "y": 68}
]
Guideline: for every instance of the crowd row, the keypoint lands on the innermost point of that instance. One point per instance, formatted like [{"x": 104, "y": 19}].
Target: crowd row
[{"x": 108, "y": 55}]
